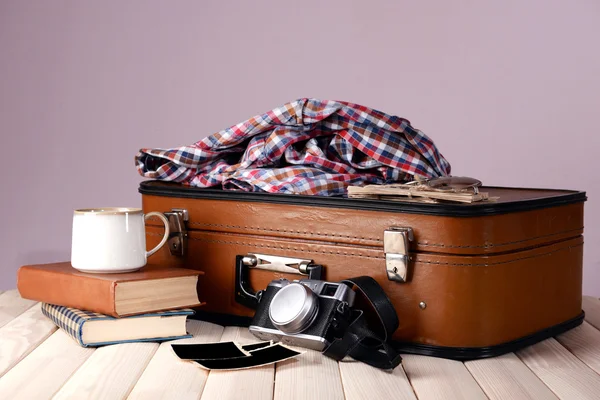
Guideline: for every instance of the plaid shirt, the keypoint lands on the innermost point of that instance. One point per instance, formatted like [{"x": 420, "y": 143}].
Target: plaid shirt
[{"x": 308, "y": 146}]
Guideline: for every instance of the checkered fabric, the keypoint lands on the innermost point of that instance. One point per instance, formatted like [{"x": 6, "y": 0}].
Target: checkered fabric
[
  {"x": 71, "y": 321},
  {"x": 308, "y": 146}
]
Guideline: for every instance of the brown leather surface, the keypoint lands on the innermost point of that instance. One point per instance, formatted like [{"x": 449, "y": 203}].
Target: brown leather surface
[
  {"x": 61, "y": 284},
  {"x": 471, "y": 301},
  {"x": 439, "y": 234},
  {"x": 485, "y": 280}
]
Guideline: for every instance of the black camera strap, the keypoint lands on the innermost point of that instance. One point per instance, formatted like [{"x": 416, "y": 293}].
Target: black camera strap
[{"x": 360, "y": 342}]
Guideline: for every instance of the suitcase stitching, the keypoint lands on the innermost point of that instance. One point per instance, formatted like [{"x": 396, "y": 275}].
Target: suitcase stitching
[
  {"x": 486, "y": 246},
  {"x": 375, "y": 258},
  {"x": 285, "y": 231},
  {"x": 288, "y": 248},
  {"x": 501, "y": 244},
  {"x": 500, "y": 262},
  {"x": 277, "y": 247}
]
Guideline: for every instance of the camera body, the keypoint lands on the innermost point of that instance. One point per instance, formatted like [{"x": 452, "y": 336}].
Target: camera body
[{"x": 306, "y": 313}]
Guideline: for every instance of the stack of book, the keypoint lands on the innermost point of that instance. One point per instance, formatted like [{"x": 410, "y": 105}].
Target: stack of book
[{"x": 100, "y": 309}]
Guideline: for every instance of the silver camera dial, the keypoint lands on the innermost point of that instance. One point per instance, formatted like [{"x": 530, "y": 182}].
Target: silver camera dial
[{"x": 293, "y": 308}]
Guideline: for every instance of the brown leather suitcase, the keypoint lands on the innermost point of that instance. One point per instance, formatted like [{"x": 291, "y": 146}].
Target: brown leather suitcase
[{"x": 467, "y": 280}]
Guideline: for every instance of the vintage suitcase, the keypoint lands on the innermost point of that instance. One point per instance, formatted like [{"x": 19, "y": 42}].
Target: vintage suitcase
[{"x": 467, "y": 280}]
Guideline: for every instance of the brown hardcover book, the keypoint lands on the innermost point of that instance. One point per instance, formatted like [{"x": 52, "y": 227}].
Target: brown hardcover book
[{"x": 118, "y": 295}]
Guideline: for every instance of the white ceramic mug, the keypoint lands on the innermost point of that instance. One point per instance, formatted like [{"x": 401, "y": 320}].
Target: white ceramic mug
[{"x": 112, "y": 240}]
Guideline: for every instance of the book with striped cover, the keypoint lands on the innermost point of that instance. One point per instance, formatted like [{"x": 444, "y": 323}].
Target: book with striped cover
[{"x": 91, "y": 329}]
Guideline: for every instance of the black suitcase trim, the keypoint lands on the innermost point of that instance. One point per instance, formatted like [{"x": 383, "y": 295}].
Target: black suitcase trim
[
  {"x": 452, "y": 353},
  {"x": 171, "y": 189},
  {"x": 473, "y": 353}
]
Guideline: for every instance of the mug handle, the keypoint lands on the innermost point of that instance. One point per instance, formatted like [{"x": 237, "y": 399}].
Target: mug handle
[{"x": 165, "y": 221}]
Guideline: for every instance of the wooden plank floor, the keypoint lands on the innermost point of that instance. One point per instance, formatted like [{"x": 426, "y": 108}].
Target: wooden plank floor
[{"x": 38, "y": 361}]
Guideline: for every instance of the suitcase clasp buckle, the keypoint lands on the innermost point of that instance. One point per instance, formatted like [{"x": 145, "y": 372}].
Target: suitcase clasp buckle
[
  {"x": 245, "y": 295},
  {"x": 178, "y": 232},
  {"x": 396, "y": 242},
  {"x": 278, "y": 263}
]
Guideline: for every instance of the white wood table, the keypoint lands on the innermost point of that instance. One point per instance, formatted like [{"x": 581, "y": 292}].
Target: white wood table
[{"x": 37, "y": 361}]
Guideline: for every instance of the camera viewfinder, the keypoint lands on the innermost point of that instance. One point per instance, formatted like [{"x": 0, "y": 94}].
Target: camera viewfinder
[{"x": 329, "y": 290}]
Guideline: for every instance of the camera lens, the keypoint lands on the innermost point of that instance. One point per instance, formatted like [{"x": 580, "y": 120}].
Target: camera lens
[{"x": 293, "y": 308}]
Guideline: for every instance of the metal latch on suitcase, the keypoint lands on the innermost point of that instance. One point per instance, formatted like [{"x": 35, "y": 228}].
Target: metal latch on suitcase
[
  {"x": 178, "y": 232},
  {"x": 395, "y": 245}
]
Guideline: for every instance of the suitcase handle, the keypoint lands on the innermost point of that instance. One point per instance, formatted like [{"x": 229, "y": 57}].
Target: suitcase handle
[{"x": 245, "y": 295}]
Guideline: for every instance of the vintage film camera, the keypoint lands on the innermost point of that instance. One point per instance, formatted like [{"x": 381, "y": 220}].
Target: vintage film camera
[
  {"x": 307, "y": 313},
  {"x": 317, "y": 314}
]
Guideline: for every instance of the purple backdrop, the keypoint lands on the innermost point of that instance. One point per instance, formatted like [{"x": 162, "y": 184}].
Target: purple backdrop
[{"x": 509, "y": 91}]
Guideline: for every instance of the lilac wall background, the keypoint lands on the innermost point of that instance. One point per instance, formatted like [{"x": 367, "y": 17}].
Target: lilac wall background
[{"x": 508, "y": 90}]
